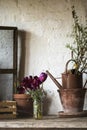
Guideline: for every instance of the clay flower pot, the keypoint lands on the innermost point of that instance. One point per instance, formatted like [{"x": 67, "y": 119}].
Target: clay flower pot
[
  {"x": 24, "y": 104},
  {"x": 72, "y": 99}
]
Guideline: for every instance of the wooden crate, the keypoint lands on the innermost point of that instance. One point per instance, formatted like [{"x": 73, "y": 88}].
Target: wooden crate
[{"x": 8, "y": 109}]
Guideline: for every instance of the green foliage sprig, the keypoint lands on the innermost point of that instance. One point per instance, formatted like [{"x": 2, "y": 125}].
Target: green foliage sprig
[
  {"x": 79, "y": 45},
  {"x": 37, "y": 94}
]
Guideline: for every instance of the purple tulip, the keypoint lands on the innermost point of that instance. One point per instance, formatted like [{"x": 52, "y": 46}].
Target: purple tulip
[
  {"x": 31, "y": 83},
  {"x": 36, "y": 82},
  {"x": 26, "y": 82},
  {"x": 20, "y": 90},
  {"x": 42, "y": 77}
]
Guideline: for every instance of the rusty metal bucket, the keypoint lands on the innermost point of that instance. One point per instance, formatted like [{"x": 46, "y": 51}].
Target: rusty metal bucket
[
  {"x": 71, "y": 81},
  {"x": 72, "y": 99}
]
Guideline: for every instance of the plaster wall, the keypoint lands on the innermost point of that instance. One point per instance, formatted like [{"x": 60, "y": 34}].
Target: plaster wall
[{"x": 44, "y": 26}]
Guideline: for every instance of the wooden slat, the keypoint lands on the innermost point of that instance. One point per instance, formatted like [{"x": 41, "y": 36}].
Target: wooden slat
[
  {"x": 15, "y": 55},
  {"x": 7, "y": 110},
  {"x": 7, "y": 28},
  {"x": 7, "y": 103},
  {"x": 8, "y": 71}
]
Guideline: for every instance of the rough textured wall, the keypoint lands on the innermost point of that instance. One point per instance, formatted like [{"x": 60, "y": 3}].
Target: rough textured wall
[{"x": 43, "y": 27}]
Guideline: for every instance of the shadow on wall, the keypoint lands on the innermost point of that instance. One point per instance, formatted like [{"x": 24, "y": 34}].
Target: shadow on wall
[
  {"x": 46, "y": 105},
  {"x": 22, "y": 35}
]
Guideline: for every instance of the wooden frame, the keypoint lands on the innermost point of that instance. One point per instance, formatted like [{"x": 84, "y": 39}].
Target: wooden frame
[{"x": 12, "y": 70}]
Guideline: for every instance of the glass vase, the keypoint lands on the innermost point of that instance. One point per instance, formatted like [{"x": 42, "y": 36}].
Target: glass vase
[{"x": 38, "y": 109}]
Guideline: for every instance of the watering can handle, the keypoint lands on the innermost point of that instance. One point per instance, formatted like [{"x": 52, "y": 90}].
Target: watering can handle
[{"x": 68, "y": 63}]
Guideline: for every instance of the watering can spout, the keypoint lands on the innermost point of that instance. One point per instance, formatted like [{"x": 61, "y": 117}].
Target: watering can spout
[{"x": 54, "y": 80}]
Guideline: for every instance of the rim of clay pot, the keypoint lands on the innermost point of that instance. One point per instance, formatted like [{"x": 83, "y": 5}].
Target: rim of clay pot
[{"x": 21, "y": 96}]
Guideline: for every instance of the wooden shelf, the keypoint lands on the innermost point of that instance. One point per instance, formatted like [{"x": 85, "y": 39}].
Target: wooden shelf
[{"x": 47, "y": 123}]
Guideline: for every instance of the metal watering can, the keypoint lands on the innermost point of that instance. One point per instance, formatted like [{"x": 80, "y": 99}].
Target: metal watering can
[
  {"x": 69, "y": 80},
  {"x": 72, "y": 91}
]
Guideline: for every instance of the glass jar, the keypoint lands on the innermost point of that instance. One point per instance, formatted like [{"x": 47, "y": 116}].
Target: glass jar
[{"x": 38, "y": 108}]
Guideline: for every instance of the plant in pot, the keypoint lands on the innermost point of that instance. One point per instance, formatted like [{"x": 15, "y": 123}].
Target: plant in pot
[
  {"x": 74, "y": 92},
  {"x": 28, "y": 91},
  {"x": 79, "y": 45},
  {"x": 23, "y": 100}
]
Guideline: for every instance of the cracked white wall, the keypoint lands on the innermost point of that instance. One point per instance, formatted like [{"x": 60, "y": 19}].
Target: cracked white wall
[{"x": 43, "y": 27}]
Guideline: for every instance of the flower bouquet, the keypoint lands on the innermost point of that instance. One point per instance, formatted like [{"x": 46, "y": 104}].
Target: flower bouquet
[{"x": 33, "y": 85}]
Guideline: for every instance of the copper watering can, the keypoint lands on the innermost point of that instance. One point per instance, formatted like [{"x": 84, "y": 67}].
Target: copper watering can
[
  {"x": 69, "y": 80},
  {"x": 72, "y": 91}
]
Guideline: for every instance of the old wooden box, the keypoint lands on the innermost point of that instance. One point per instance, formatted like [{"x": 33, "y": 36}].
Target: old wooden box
[{"x": 8, "y": 109}]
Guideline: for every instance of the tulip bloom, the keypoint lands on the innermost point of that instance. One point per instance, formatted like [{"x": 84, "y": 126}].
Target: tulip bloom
[{"x": 31, "y": 83}]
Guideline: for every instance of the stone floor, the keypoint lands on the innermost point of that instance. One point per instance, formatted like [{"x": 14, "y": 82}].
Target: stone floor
[{"x": 47, "y": 123}]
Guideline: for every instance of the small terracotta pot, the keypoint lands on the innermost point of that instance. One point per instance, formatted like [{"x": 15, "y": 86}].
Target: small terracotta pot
[
  {"x": 24, "y": 104},
  {"x": 72, "y": 99}
]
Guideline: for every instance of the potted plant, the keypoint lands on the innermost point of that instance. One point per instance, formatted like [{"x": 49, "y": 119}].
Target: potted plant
[
  {"x": 79, "y": 45},
  {"x": 23, "y": 100},
  {"x": 72, "y": 91},
  {"x": 72, "y": 96},
  {"x": 78, "y": 50},
  {"x": 29, "y": 90}
]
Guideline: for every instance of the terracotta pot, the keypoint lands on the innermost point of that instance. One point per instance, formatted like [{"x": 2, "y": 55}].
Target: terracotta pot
[
  {"x": 24, "y": 104},
  {"x": 72, "y": 99}
]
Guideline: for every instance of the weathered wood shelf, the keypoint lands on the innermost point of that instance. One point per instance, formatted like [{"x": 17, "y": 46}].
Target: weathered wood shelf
[{"x": 47, "y": 123}]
